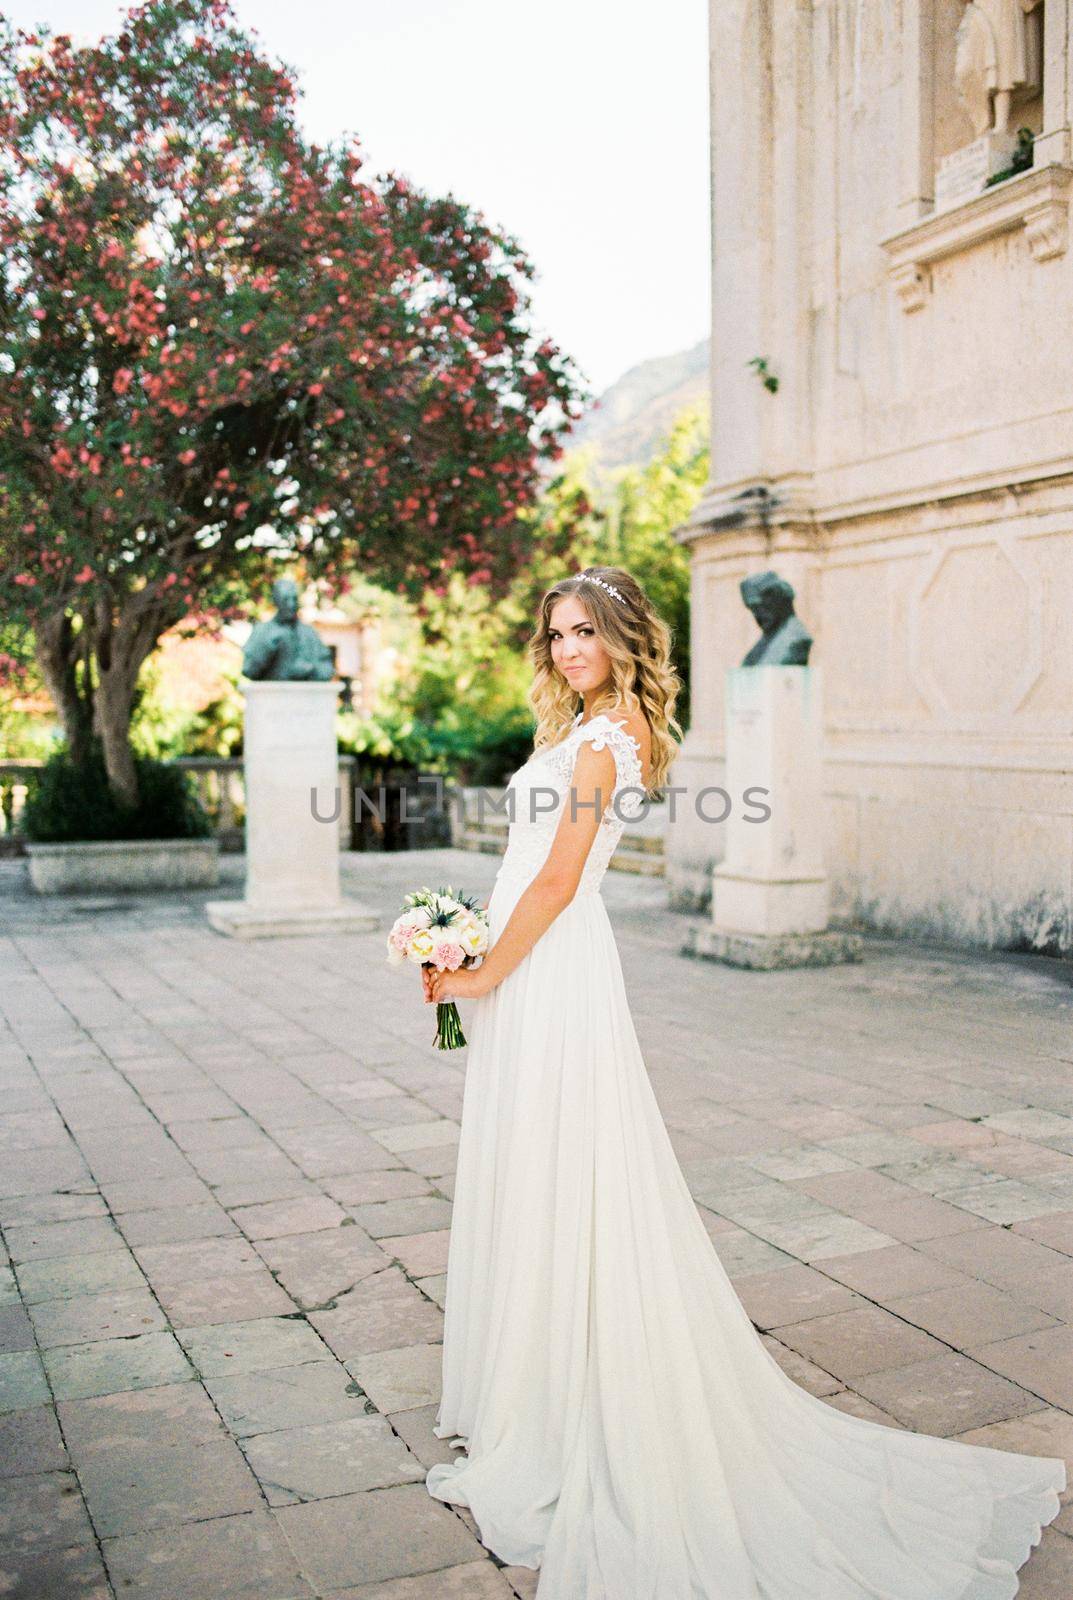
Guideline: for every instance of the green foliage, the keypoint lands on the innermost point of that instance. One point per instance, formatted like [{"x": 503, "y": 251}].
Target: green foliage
[
  {"x": 1020, "y": 160},
  {"x": 217, "y": 729},
  {"x": 460, "y": 706},
  {"x": 482, "y": 747},
  {"x": 69, "y": 804},
  {"x": 764, "y": 373},
  {"x": 164, "y": 731},
  {"x": 461, "y": 744},
  {"x": 25, "y": 734}
]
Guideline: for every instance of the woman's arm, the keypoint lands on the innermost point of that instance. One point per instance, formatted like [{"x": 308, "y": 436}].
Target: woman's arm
[{"x": 554, "y": 886}]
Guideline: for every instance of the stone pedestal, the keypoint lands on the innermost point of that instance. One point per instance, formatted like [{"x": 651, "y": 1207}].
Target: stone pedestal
[
  {"x": 770, "y": 892},
  {"x": 292, "y": 834}
]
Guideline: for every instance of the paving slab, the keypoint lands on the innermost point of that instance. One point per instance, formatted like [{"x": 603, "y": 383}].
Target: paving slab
[
  {"x": 22, "y": 1381},
  {"x": 110, "y": 1366},
  {"x": 172, "y": 1224},
  {"x": 946, "y": 1395},
  {"x": 894, "y": 1270},
  {"x": 287, "y": 1397},
  {"x": 278, "y": 1218},
  {"x": 387, "y": 1533},
  {"x": 326, "y": 1459},
  {"x": 315, "y": 1268},
  {"x": 154, "y": 1194},
  {"x": 30, "y": 1442},
  {"x": 965, "y": 1316},
  {"x": 84, "y": 1236},
  {"x": 382, "y": 1312},
  {"x": 392, "y": 1219},
  {"x": 75, "y": 1572},
  {"x": 249, "y": 1294},
  {"x": 76, "y": 1277},
  {"x": 196, "y": 1258},
  {"x": 793, "y": 1294},
  {"x": 866, "y": 1338},
  {"x": 43, "y": 1511},
  {"x": 1056, "y": 1231},
  {"x": 81, "y": 1319},
  {"x": 118, "y": 1424},
  {"x": 396, "y": 1380},
  {"x": 16, "y": 1329},
  {"x": 1041, "y": 1361},
  {"x": 475, "y": 1580},
  {"x": 1049, "y": 1572},
  {"x": 420, "y": 1254},
  {"x": 63, "y": 1207},
  {"x": 415, "y": 1426},
  {"x": 241, "y": 1557},
  {"x": 258, "y": 1345},
  {"x": 157, "y": 1486},
  {"x": 365, "y": 1188}
]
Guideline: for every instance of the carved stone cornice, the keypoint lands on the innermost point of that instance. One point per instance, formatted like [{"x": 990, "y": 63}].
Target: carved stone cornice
[{"x": 1037, "y": 200}]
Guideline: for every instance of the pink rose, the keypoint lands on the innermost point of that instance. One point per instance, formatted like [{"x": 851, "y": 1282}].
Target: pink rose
[{"x": 447, "y": 955}]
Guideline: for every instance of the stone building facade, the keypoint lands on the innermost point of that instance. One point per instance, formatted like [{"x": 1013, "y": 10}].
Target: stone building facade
[{"x": 912, "y": 473}]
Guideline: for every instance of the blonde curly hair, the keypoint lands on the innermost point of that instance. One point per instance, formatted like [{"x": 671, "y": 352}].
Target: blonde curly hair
[{"x": 643, "y": 678}]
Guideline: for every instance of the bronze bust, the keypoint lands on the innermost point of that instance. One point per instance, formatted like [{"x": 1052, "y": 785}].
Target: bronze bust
[
  {"x": 785, "y": 642},
  {"x": 284, "y": 649}
]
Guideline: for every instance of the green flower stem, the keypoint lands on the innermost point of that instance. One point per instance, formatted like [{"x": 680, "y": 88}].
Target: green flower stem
[{"x": 449, "y": 1035}]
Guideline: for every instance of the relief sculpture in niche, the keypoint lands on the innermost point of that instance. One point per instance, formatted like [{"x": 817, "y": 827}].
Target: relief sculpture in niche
[{"x": 999, "y": 61}]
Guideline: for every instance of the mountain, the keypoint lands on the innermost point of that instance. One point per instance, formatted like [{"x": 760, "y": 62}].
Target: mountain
[{"x": 628, "y": 421}]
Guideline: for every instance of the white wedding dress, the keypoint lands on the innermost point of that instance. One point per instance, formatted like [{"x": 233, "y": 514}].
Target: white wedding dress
[{"x": 628, "y": 1431}]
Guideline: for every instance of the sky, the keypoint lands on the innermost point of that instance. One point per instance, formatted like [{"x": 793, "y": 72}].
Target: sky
[{"x": 578, "y": 126}]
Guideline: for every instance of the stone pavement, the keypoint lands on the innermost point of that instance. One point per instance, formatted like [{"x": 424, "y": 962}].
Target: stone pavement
[{"x": 226, "y": 1182}]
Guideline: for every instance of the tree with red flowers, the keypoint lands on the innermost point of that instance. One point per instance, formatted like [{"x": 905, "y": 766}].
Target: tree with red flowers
[{"x": 221, "y": 345}]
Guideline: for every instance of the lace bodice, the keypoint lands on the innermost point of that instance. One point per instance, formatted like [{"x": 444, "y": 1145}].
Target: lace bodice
[{"x": 538, "y": 791}]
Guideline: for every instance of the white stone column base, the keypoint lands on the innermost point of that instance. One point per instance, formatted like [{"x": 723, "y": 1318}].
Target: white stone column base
[
  {"x": 767, "y": 954},
  {"x": 770, "y": 906},
  {"x": 242, "y": 921}
]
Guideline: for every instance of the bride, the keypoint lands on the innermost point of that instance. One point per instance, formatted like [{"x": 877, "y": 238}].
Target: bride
[{"x": 627, "y": 1431}]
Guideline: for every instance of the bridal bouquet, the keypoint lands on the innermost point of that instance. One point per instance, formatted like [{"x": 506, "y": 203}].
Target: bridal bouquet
[{"x": 440, "y": 929}]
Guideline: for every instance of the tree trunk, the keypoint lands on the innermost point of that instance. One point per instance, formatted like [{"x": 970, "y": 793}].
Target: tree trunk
[
  {"x": 58, "y": 648},
  {"x": 112, "y": 706},
  {"x": 117, "y": 640},
  {"x": 123, "y": 638}
]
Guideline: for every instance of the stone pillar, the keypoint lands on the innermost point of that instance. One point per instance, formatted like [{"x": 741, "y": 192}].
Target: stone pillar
[
  {"x": 770, "y": 892},
  {"x": 916, "y": 122},
  {"x": 1053, "y": 141},
  {"x": 293, "y": 802}
]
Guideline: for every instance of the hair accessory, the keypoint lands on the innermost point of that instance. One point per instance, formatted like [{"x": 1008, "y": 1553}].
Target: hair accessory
[{"x": 615, "y": 593}]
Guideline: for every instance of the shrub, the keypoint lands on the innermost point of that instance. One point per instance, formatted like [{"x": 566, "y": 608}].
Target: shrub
[
  {"x": 465, "y": 744},
  {"x": 72, "y": 804}
]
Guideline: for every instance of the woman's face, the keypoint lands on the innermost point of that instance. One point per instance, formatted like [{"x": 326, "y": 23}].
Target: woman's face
[{"x": 576, "y": 650}]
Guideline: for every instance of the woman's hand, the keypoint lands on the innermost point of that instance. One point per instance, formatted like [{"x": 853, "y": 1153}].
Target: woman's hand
[{"x": 468, "y": 983}]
